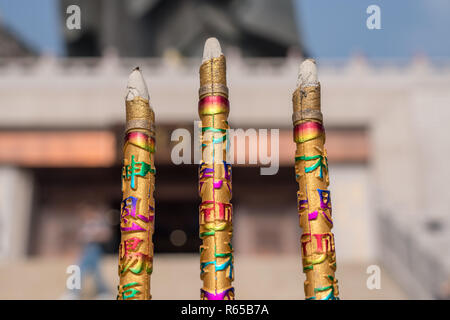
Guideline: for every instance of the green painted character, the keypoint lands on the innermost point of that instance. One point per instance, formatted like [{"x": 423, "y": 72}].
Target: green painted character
[{"x": 136, "y": 169}]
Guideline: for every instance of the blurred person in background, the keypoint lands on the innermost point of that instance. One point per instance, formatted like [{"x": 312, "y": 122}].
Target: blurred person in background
[
  {"x": 94, "y": 232},
  {"x": 444, "y": 293}
]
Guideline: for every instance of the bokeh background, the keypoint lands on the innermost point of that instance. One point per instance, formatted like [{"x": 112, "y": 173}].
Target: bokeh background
[{"x": 386, "y": 106}]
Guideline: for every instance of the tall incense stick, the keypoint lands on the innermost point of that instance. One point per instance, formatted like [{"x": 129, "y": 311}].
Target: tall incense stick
[
  {"x": 314, "y": 201},
  {"x": 216, "y": 252},
  {"x": 138, "y": 185}
]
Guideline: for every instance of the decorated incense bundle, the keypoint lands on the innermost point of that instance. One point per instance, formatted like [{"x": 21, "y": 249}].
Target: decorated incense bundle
[
  {"x": 138, "y": 185},
  {"x": 314, "y": 201},
  {"x": 216, "y": 252}
]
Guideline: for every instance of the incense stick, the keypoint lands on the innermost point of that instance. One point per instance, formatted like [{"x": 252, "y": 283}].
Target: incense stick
[
  {"x": 138, "y": 185},
  {"x": 216, "y": 252},
  {"x": 314, "y": 201}
]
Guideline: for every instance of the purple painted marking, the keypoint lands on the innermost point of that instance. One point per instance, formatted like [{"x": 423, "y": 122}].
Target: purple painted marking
[
  {"x": 227, "y": 167},
  {"x": 325, "y": 202},
  {"x": 129, "y": 206},
  {"x": 217, "y": 295},
  {"x": 152, "y": 217},
  {"x": 204, "y": 172},
  {"x": 329, "y": 220},
  {"x": 302, "y": 204},
  {"x": 134, "y": 227},
  {"x": 208, "y": 173},
  {"x": 313, "y": 215},
  {"x": 129, "y": 209},
  {"x": 143, "y": 218}
]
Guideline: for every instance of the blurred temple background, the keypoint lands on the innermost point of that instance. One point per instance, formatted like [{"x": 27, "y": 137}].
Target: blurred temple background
[{"x": 62, "y": 122}]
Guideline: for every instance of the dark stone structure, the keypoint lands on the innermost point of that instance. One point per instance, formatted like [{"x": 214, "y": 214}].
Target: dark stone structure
[{"x": 262, "y": 28}]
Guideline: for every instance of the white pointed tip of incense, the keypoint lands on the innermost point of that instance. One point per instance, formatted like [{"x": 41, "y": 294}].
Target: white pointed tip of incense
[
  {"x": 307, "y": 74},
  {"x": 212, "y": 49},
  {"x": 136, "y": 86}
]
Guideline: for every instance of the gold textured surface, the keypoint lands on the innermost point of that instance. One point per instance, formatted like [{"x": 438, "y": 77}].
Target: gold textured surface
[
  {"x": 136, "y": 247},
  {"x": 215, "y": 247},
  {"x": 213, "y": 79},
  {"x": 216, "y": 88},
  {"x": 306, "y": 114},
  {"x": 139, "y": 114},
  {"x": 318, "y": 257},
  {"x": 306, "y": 98}
]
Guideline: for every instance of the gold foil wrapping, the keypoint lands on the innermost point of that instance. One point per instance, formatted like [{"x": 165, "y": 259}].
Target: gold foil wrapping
[
  {"x": 137, "y": 208},
  {"x": 216, "y": 252},
  {"x": 314, "y": 201},
  {"x": 213, "y": 71}
]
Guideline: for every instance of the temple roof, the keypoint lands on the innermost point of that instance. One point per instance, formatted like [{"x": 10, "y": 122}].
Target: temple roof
[
  {"x": 12, "y": 46},
  {"x": 151, "y": 27}
]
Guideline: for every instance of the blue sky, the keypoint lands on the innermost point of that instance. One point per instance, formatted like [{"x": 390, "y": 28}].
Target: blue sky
[
  {"x": 337, "y": 28},
  {"x": 329, "y": 28},
  {"x": 36, "y": 22}
]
